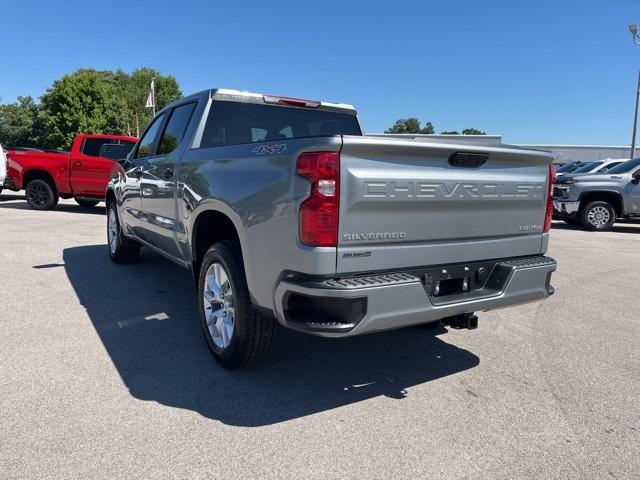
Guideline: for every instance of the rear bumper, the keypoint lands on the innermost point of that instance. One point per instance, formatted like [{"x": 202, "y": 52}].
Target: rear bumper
[{"x": 359, "y": 305}]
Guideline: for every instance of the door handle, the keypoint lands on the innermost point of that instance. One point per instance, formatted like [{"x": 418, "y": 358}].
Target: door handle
[
  {"x": 168, "y": 173},
  {"x": 79, "y": 163}
]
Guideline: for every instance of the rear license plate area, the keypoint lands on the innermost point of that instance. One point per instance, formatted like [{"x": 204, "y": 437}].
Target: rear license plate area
[
  {"x": 450, "y": 286},
  {"x": 457, "y": 279}
]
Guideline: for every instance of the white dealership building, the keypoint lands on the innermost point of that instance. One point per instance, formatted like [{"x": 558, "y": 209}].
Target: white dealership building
[{"x": 561, "y": 153}]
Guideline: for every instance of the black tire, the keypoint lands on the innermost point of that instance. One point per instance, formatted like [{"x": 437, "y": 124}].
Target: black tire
[
  {"x": 41, "y": 195},
  {"x": 571, "y": 221},
  {"x": 597, "y": 216},
  {"x": 123, "y": 250},
  {"x": 86, "y": 203},
  {"x": 254, "y": 334}
]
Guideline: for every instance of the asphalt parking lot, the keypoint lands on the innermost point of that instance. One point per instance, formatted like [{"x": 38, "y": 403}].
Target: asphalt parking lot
[{"x": 104, "y": 374}]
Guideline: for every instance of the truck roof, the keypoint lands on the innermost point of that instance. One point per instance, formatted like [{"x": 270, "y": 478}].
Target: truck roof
[
  {"x": 106, "y": 135},
  {"x": 230, "y": 94}
]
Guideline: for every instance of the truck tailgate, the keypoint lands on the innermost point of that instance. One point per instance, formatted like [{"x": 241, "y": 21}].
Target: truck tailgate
[{"x": 407, "y": 203}]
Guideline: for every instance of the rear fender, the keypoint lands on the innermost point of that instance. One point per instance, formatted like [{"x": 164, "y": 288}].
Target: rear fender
[{"x": 28, "y": 175}]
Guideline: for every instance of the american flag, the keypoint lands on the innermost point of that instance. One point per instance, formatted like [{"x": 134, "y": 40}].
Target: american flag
[{"x": 151, "y": 98}]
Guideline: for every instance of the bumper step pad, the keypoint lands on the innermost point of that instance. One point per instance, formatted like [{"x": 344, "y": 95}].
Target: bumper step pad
[
  {"x": 529, "y": 262},
  {"x": 370, "y": 281}
]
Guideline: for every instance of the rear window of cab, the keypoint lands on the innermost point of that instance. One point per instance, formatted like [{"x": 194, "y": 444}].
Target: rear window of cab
[
  {"x": 91, "y": 146},
  {"x": 235, "y": 123}
]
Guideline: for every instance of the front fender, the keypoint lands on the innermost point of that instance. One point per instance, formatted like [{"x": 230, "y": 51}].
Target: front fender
[{"x": 591, "y": 190}]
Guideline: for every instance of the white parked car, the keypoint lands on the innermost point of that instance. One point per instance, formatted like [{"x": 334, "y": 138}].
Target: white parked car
[
  {"x": 598, "y": 166},
  {"x": 3, "y": 167}
]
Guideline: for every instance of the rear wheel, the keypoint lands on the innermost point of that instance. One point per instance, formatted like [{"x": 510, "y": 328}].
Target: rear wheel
[
  {"x": 598, "y": 215},
  {"x": 237, "y": 335},
  {"x": 41, "y": 195},
  {"x": 121, "y": 249},
  {"x": 86, "y": 203}
]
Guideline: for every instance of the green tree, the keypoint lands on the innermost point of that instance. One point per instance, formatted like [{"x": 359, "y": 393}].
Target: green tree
[
  {"x": 86, "y": 101},
  {"x": 20, "y": 123},
  {"x": 452, "y": 132},
  {"x": 410, "y": 125},
  {"x": 92, "y": 101},
  {"x": 472, "y": 131}
]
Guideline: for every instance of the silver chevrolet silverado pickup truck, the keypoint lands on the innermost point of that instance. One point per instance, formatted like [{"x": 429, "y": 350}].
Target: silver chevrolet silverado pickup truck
[
  {"x": 287, "y": 215},
  {"x": 595, "y": 201}
]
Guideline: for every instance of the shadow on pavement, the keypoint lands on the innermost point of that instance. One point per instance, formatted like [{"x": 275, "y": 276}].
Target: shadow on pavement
[
  {"x": 628, "y": 227},
  {"x": 4, "y": 197},
  {"x": 61, "y": 207},
  {"x": 146, "y": 316}
]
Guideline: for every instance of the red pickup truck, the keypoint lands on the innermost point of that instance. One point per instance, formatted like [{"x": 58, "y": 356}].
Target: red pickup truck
[{"x": 47, "y": 175}]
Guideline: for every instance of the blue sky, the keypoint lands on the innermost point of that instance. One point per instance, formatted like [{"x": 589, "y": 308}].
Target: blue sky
[{"x": 560, "y": 71}]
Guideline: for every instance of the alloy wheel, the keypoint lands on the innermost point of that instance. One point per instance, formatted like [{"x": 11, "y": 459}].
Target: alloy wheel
[
  {"x": 112, "y": 231},
  {"x": 598, "y": 216},
  {"x": 218, "y": 304},
  {"x": 38, "y": 194}
]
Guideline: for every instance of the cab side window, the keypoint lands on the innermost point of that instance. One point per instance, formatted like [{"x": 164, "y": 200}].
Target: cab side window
[
  {"x": 145, "y": 146},
  {"x": 91, "y": 146},
  {"x": 176, "y": 128}
]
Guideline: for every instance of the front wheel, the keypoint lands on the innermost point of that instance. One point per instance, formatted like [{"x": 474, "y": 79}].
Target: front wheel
[
  {"x": 597, "y": 216},
  {"x": 86, "y": 203},
  {"x": 40, "y": 195},
  {"x": 121, "y": 249},
  {"x": 237, "y": 335}
]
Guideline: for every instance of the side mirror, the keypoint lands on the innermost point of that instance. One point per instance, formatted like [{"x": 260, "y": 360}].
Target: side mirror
[
  {"x": 114, "y": 151},
  {"x": 636, "y": 177}
]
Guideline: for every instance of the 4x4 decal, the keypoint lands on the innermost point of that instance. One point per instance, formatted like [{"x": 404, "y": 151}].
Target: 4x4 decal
[{"x": 270, "y": 149}]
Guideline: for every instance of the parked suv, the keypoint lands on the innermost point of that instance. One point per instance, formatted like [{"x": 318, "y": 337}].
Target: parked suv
[
  {"x": 568, "y": 168},
  {"x": 287, "y": 215},
  {"x": 595, "y": 201}
]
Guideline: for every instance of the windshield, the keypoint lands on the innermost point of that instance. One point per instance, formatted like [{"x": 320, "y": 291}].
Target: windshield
[
  {"x": 569, "y": 167},
  {"x": 587, "y": 167},
  {"x": 608, "y": 167},
  {"x": 625, "y": 167}
]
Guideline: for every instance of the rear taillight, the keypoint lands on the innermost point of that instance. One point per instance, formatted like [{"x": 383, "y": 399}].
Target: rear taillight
[
  {"x": 547, "y": 218},
  {"x": 319, "y": 212}
]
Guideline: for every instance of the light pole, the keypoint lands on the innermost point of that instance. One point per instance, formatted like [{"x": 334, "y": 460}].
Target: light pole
[{"x": 636, "y": 39}]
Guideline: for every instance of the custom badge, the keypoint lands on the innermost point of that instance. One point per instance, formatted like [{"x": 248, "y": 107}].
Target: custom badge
[{"x": 270, "y": 149}]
